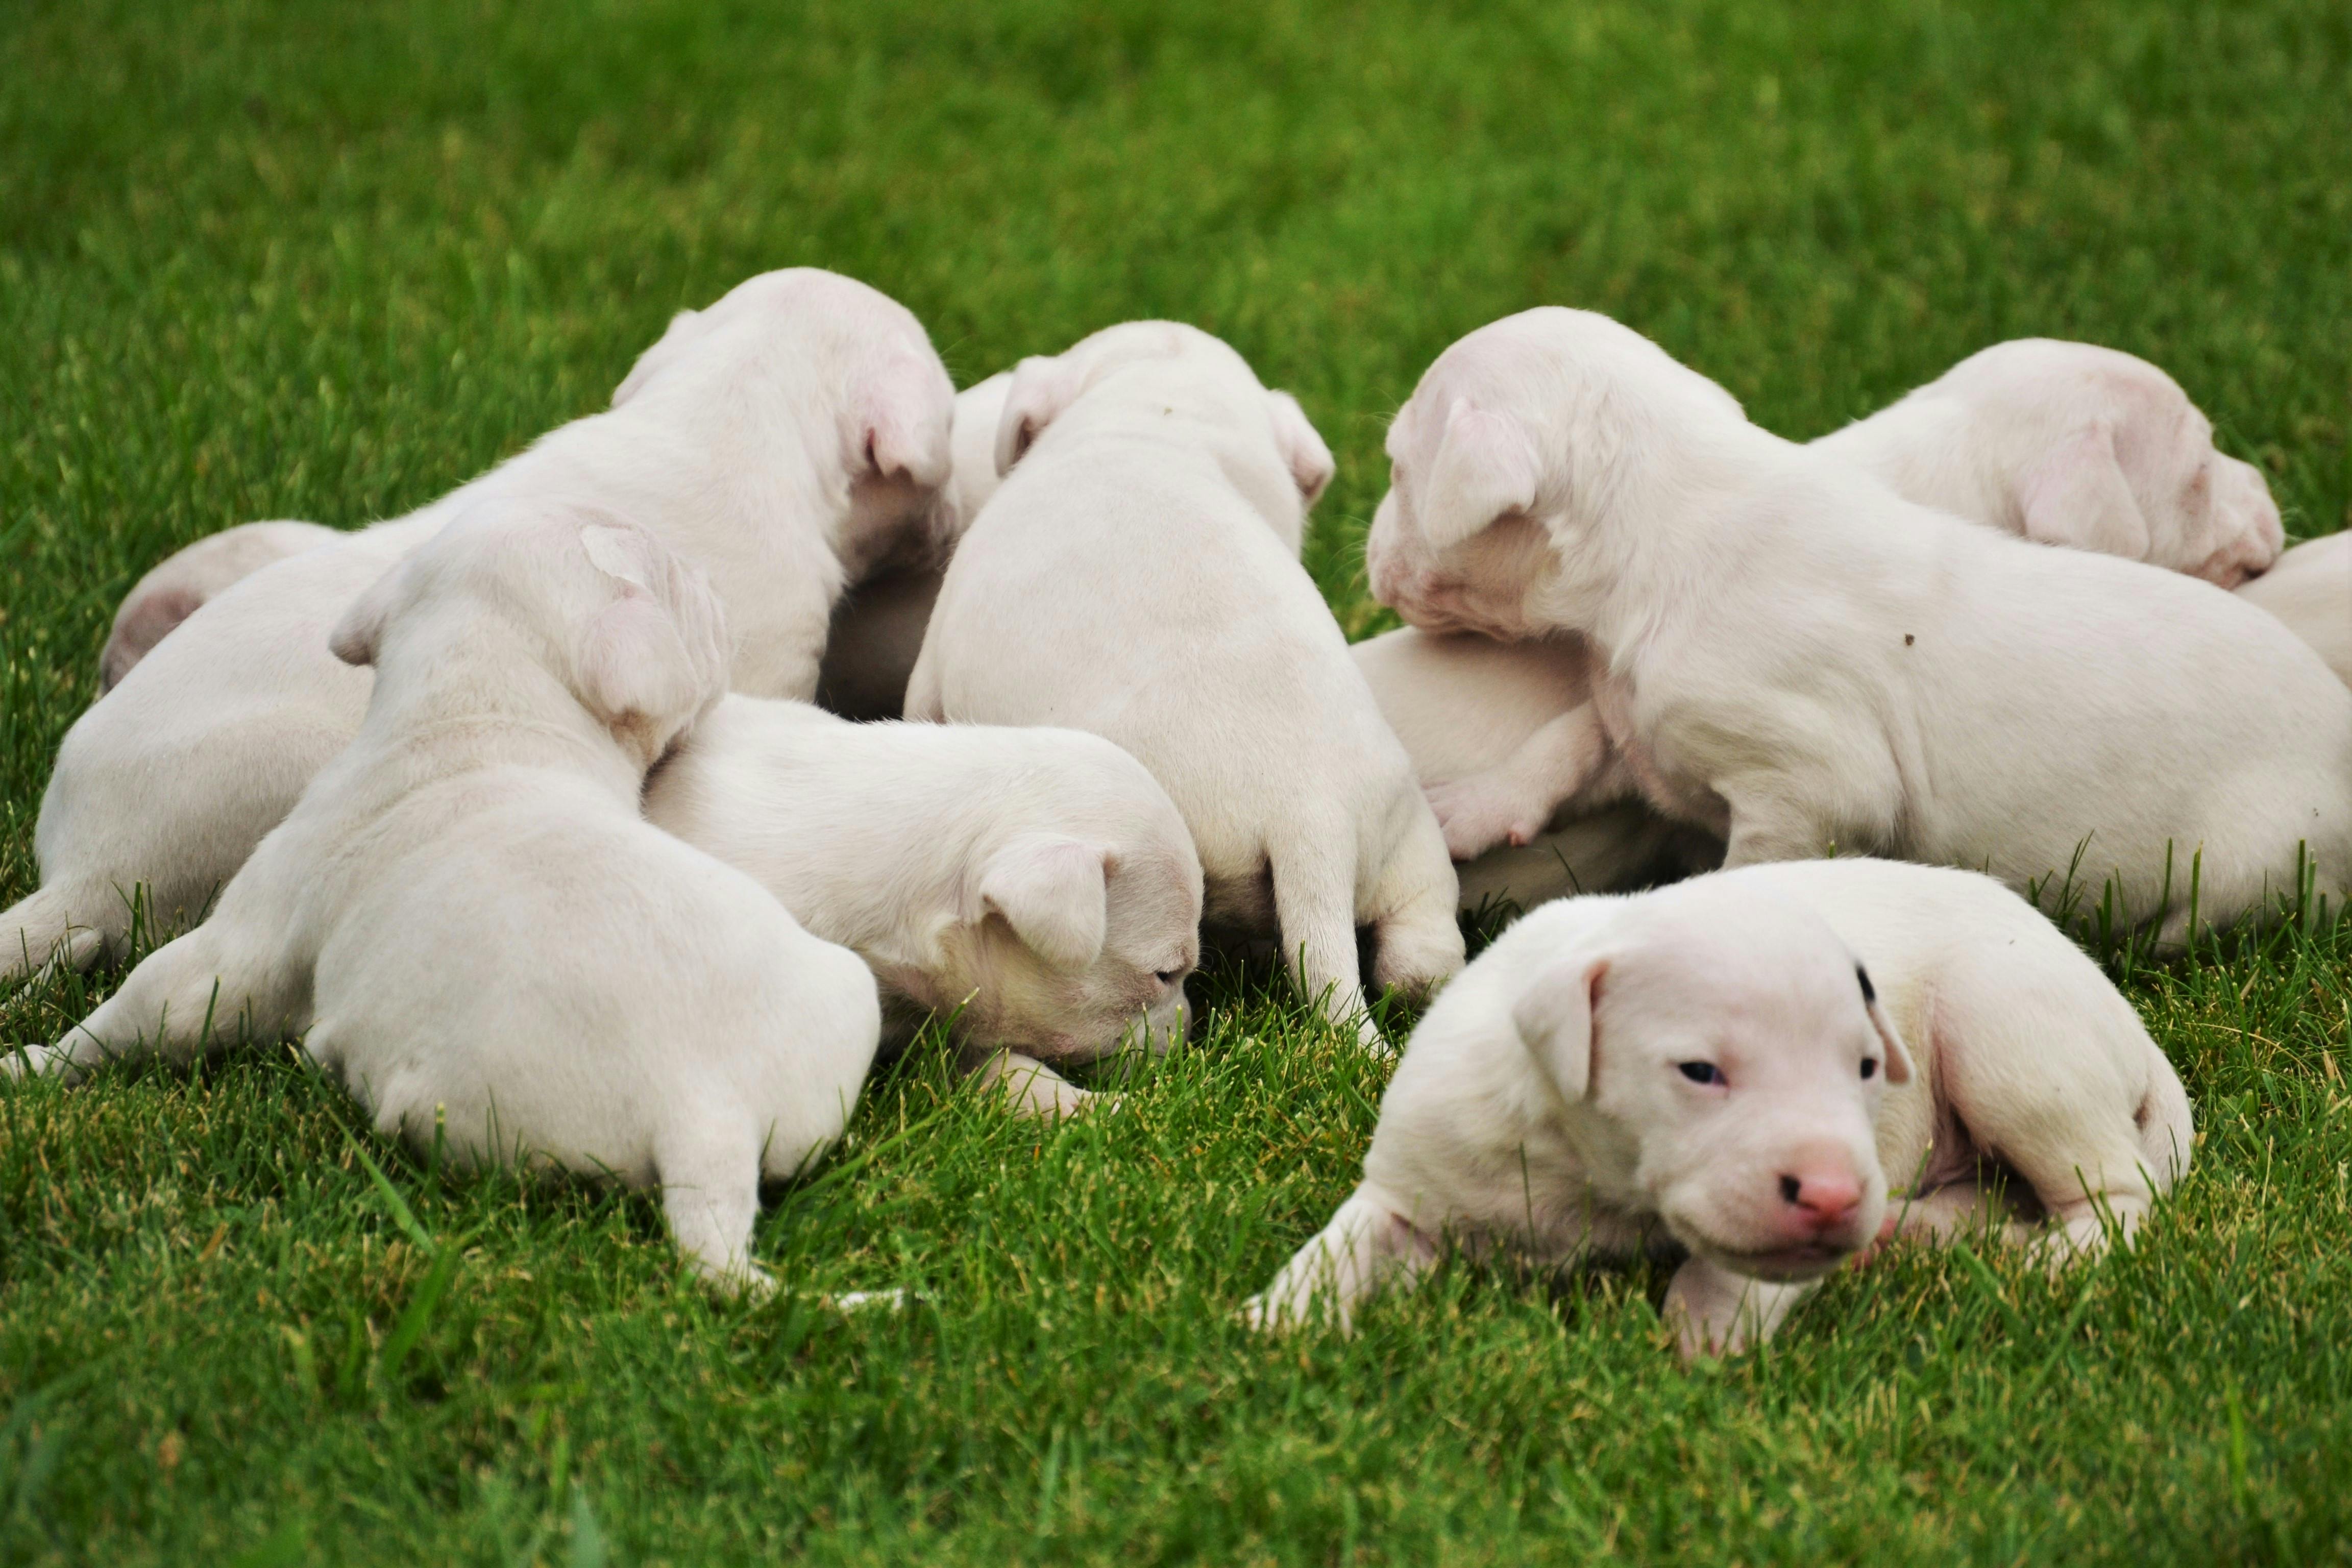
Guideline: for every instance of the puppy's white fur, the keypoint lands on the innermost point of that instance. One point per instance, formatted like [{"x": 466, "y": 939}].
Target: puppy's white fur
[
  {"x": 2062, "y": 443},
  {"x": 2310, "y": 590},
  {"x": 1492, "y": 728},
  {"x": 1036, "y": 885},
  {"x": 878, "y": 627},
  {"x": 2070, "y": 444},
  {"x": 180, "y": 584},
  {"x": 466, "y": 920},
  {"x": 1793, "y": 658},
  {"x": 1546, "y": 1105},
  {"x": 1138, "y": 576},
  {"x": 791, "y": 438}
]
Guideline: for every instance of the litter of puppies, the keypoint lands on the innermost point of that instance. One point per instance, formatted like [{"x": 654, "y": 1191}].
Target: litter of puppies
[{"x": 527, "y": 826}]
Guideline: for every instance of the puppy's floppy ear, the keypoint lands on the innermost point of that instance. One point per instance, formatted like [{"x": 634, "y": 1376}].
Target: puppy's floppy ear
[
  {"x": 1051, "y": 891},
  {"x": 686, "y": 327},
  {"x": 2076, "y": 495},
  {"x": 1554, "y": 1019},
  {"x": 360, "y": 633},
  {"x": 634, "y": 660},
  {"x": 900, "y": 422},
  {"x": 1042, "y": 388},
  {"x": 1295, "y": 436},
  {"x": 1485, "y": 469},
  {"x": 1898, "y": 1055}
]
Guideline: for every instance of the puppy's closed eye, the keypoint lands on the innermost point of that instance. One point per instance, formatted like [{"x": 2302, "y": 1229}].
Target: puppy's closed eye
[
  {"x": 1869, "y": 992},
  {"x": 1700, "y": 1072}
]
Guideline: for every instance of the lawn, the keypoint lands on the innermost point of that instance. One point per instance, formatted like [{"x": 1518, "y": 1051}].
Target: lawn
[{"x": 298, "y": 260}]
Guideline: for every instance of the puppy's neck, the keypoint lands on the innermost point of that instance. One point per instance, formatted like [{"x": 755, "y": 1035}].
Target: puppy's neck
[{"x": 480, "y": 697}]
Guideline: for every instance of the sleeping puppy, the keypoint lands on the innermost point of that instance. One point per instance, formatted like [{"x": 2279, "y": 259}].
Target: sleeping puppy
[
  {"x": 185, "y": 580},
  {"x": 878, "y": 629},
  {"x": 1138, "y": 576},
  {"x": 2310, "y": 590},
  {"x": 1036, "y": 887},
  {"x": 1791, "y": 656},
  {"x": 791, "y": 439},
  {"x": 1748, "y": 1062},
  {"x": 2058, "y": 442},
  {"x": 2070, "y": 444},
  {"x": 467, "y": 921}
]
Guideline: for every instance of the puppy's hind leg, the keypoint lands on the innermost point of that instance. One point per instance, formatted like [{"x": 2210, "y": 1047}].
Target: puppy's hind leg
[
  {"x": 190, "y": 995},
  {"x": 1367, "y": 1245},
  {"x": 1315, "y": 906},
  {"x": 1416, "y": 939},
  {"x": 710, "y": 1192}
]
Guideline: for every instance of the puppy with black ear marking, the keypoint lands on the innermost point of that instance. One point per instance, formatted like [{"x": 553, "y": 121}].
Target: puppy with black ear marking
[
  {"x": 1791, "y": 656},
  {"x": 1749, "y": 1061},
  {"x": 466, "y": 920},
  {"x": 791, "y": 438},
  {"x": 1036, "y": 885},
  {"x": 1138, "y": 576}
]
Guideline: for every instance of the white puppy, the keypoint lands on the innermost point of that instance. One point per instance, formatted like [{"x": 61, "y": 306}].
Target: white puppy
[
  {"x": 1752, "y": 1060},
  {"x": 1492, "y": 728},
  {"x": 2062, "y": 443},
  {"x": 1138, "y": 576},
  {"x": 791, "y": 439},
  {"x": 877, "y": 629},
  {"x": 2070, "y": 444},
  {"x": 1036, "y": 885},
  {"x": 1793, "y": 658},
  {"x": 2310, "y": 590},
  {"x": 183, "y": 581},
  {"x": 475, "y": 929}
]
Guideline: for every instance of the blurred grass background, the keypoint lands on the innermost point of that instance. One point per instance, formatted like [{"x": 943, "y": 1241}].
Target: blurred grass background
[{"x": 275, "y": 259}]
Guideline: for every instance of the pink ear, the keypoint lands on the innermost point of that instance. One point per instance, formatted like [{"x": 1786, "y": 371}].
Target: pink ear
[
  {"x": 634, "y": 666},
  {"x": 2077, "y": 496},
  {"x": 1302, "y": 449},
  {"x": 1554, "y": 1020},
  {"x": 1042, "y": 388},
  {"x": 360, "y": 633},
  {"x": 1051, "y": 891},
  {"x": 1485, "y": 468},
  {"x": 901, "y": 423}
]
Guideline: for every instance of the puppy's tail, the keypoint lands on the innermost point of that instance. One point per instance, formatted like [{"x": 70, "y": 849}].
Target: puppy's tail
[
  {"x": 2167, "y": 1126},
  {"x": 57, "y": 923},
  {"x": 1314, "y": 872}
]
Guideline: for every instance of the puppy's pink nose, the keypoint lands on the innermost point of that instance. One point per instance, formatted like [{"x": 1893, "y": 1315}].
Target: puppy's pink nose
[{"x": 1823, "y": 1199}]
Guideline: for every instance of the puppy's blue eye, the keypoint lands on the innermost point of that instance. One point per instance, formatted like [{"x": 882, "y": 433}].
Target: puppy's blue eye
[
  {"x": 1700, "y": 1072},
  {"x": 1870, "y": 1067}
]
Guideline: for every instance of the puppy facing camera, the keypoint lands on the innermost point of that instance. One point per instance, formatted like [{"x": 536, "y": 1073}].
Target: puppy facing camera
[{"x": 1772, "y": 1066}]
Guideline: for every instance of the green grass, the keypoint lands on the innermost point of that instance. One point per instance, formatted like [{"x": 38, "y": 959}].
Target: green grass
[{"x": 326, "y": 261}]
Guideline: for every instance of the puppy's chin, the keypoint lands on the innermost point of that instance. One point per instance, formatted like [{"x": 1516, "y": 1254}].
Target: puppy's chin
[{"x": 1758, "y": 1258}]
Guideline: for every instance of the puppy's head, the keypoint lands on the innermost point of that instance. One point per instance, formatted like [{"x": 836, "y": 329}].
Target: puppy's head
[
  {"x": 626, "y": 627},
  {"x": 2103, "y": 452},
  {"x": 1145, "y": 371},
  {"x": 828, "y": 386},
  {"x": 1080, "y": 917},
  {"x": 1733, "y": 1052},
  {"x": 1513, "y": 451}
]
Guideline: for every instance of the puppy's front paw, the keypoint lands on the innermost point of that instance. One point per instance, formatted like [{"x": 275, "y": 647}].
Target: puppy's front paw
[
  {"x": 36, "y": 1061},
  {"x": 1481, "y": 812}
]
